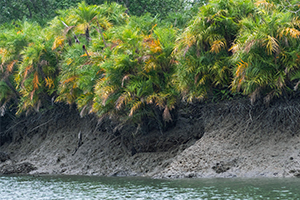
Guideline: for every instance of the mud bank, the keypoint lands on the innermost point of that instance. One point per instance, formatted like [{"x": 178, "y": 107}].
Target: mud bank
[{"x": 230, "y": 139}]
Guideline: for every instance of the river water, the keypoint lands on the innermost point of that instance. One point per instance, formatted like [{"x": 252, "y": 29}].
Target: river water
[{"x": 83, "y": 187}]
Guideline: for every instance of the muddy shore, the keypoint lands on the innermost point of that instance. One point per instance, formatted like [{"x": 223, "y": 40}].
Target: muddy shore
[{"x": 228, "y": 139}]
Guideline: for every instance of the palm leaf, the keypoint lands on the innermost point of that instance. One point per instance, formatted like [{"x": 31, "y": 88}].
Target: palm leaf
[
  {"x": 218, "y": 45},
  {"x": 135, "y": 107},
  {"x": 272, "y": 45}
]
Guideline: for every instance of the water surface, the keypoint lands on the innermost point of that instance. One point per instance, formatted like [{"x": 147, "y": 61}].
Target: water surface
[{"x": 83, "y": 187}]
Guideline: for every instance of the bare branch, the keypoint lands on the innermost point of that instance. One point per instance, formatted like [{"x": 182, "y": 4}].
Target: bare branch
[{"x": 75, "y": 36}]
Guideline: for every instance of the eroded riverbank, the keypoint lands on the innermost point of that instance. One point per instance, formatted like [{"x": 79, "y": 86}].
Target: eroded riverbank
[{"x": 230, "y": 139}]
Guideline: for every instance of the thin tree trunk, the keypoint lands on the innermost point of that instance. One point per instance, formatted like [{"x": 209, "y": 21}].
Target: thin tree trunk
[
  {"x": 75, "y": 36},
  {"x": 30, "y": 13},
  {"x": 87, "y": 35},
  {"x": 99, "y": 30},
  {"x": 84, "y": 49}
]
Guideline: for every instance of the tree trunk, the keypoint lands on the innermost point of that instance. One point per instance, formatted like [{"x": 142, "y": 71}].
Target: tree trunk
[
  {"x": 28, "y": 7},
  {"x": 99, "y": 30},
  {"x": 87, "y": 35}
]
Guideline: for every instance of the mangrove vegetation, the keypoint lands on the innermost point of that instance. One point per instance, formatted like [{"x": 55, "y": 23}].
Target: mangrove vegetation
[{"x": 137, "y": 61}]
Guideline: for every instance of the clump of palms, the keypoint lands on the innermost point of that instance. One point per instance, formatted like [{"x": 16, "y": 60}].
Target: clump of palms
[
  {"x": 266, "y": 53},
  {"x": 79, "y": 62},
  {"x": 136, "y": 80},
  {"x": 133, "y": 68},
  {"x": 36, "y": 75},
  {"x": 12, "y": 43},
  {"x": 119, "y": 67},
  {"x": 203, "y": 48}
]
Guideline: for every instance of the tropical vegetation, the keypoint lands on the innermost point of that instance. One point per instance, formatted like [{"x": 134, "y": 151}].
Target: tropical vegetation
[{"x": 138, "y": 68}]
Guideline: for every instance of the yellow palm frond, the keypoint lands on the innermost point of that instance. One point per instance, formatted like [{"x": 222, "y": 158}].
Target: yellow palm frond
[
  {"x": 203, "y": 79},
  {"x": 296, "y": 21},
  {"x": 135, "y": 107},
  {"x": 217, "y": 46},
  {"x": 239, "y": 75},
  {"x": 69, "y": 61},
  {"x": 272, "y": 45},
  {"x": 2, "y": 51},
  {"x": 123, "y": 99},
  {"x": 190, "y": 39},
  {"x": 153, "y": 27},
  {"x": 84, "y": 55},
  {"x": 106, "y": 92},
  {"x": 150, "y": 99},
  {"x": 155, "y": 46},
  {"x": 294, "y": 33},
  {"x": 100, "y": 71},
  {"x": 241, "y": 68},
  {"x": 150, "y": 65},
  {"x": 104, "y": 23},
  {"x": 49, "y": 82},
  {"x": 58, "y": 42}
]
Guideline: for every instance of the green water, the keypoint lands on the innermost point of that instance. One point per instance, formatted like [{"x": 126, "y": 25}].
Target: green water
[{"x": 81, "y": 187}]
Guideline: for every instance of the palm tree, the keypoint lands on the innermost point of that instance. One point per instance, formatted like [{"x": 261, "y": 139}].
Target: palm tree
[
  {"x": 81, "y": 17},
  {"x": 81, "y": 20}
]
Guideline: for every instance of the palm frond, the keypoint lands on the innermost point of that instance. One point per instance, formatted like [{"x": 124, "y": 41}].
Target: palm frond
[
  {"x": 218, "y": 45},
  {"x": 272, "y": 45},
  {"x": 135, "y": 107},
  {"x": 58, "y": 42}
]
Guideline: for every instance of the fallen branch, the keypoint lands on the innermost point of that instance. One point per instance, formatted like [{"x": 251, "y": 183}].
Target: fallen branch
[{"x": 40, "y": 126}]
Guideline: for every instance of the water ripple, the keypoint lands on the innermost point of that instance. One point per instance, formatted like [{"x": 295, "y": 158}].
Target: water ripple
[{"x": 82, "y": 187}]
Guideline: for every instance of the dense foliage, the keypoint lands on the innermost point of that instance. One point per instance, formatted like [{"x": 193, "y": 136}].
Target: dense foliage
[
  {"x": 138, "y": 68},
  {"x": 43, "y": 10}
]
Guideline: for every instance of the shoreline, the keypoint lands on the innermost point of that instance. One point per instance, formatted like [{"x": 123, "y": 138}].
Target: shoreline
[{"x": 229, "y": 139}]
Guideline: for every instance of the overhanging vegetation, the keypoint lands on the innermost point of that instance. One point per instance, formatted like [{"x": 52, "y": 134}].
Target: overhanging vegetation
[{"x": 137, "y": 68}]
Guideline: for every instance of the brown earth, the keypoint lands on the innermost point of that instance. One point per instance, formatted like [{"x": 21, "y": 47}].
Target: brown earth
[{"x": 229, "y": 139}]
